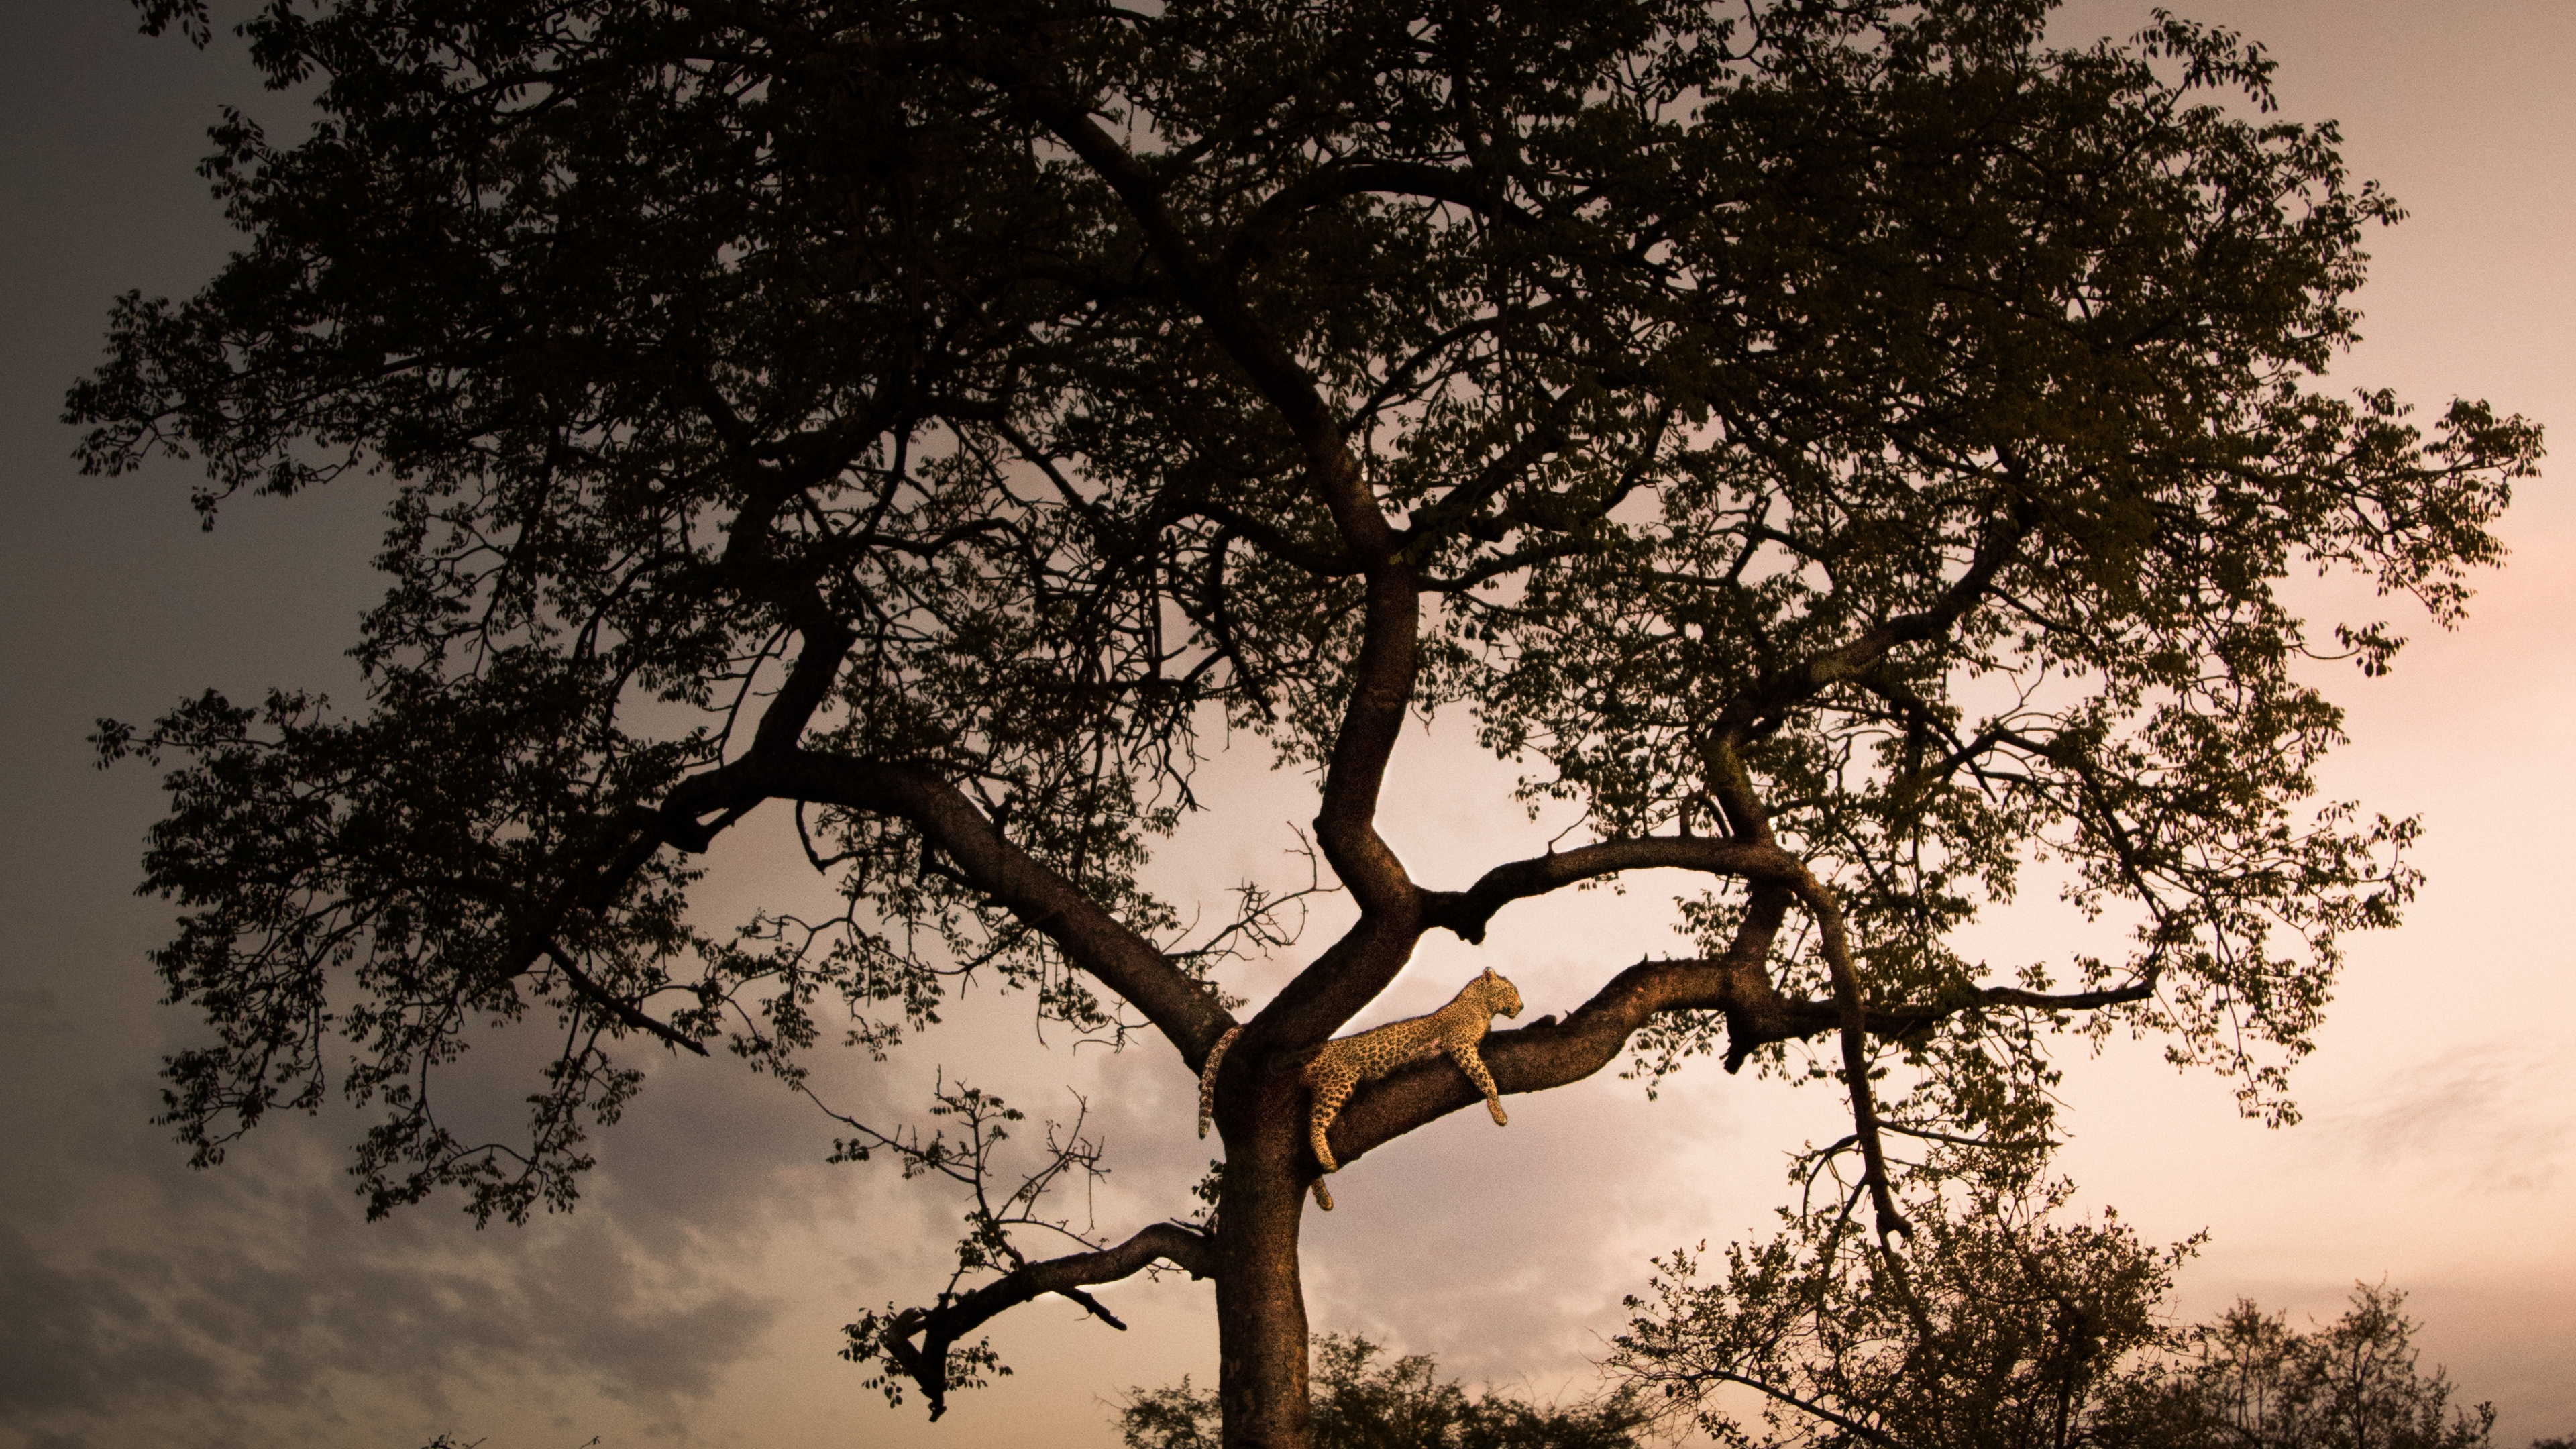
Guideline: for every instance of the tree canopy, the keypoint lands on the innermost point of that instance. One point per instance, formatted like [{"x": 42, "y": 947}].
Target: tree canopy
[{"x": 1849, "y": 454}]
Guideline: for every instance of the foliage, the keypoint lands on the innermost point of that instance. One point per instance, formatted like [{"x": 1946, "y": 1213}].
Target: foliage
[
  {"x": 1998, "y": 1327},
  {"x": 1403, "y": 1404},
  {"x": 1847, "y": 453},
  {"x": 2005, "y": 1330},
  {"x": 2250, "y": 1379}
]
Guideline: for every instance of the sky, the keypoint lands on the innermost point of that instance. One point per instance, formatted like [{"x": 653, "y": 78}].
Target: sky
[{"x": 697, "y": 1294}]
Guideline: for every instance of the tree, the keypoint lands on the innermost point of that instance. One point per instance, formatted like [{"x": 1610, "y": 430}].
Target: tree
[
  {"x": 1399, "y": 1405},
  {"x": 2009, "y": 1331},
  {"x": 1845, "y": 453},
  {"x": 2001, "y": 1330},
  {"x": 2251, "y": 1379}
]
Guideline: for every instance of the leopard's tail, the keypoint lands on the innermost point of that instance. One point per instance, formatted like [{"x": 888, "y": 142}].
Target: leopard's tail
[{"x": 1207, "y": 1076}]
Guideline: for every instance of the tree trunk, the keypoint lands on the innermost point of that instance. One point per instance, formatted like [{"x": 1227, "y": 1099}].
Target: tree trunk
[{"x": 1260, "y": 1300}]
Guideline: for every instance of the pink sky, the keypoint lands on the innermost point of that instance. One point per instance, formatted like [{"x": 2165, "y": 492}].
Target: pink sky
[{"x": 697, "y": 1295}]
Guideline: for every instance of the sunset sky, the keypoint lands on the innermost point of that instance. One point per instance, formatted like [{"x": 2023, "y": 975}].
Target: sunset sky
[{"x": 696, "y": 1296}]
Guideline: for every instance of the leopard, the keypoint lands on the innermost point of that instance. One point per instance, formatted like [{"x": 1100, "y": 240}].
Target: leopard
[{"x": 1338, "y": 1067}]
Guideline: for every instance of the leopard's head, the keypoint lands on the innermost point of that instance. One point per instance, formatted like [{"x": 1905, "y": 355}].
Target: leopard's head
[{"x": 1501, "y": 994}]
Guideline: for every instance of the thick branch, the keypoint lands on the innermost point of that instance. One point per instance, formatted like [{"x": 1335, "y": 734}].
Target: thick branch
[
  {"x": 937, "y": 1329},
  {"x": 1091, "y": 938},
  {"x": 1754, "y": 859},
  {"x": 809, "y": 680},
  {"x": 1834, "y": 939},
  {"x": 1381, "y": 689},
  {"x": 1345, "y": 177},
  {"x": 1465, "y": 913},
  {"x": 1549, "y": 1053}
]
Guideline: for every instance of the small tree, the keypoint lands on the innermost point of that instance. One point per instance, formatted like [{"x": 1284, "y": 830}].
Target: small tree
[
  {"x": 2001, "y": 1329},
  {"x": 2250, "y": 1379},
  {"x": 2006, "y": 1330},
  {"x": 1845, "y": 452}
]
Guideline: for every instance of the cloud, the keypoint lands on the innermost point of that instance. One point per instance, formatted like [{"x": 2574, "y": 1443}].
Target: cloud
[
  {"x": 83, "y": 1338},
  {"x": 253, "y": 1304},
  {"x": 29, "y": 1008},
  {"x": 2485, "y": 1115}
]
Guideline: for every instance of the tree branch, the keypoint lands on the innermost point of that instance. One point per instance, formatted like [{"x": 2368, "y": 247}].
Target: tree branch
[
  {"x": 1843, "y": 1422},
  {"x": 925, "y": 1361},
  {"x": 1549, "y": 1053},
  {"x": 1347, "y": 177},
  {"x": 1465, "y": 913},
  {"x": 1383, "y": 677},
  {"x": 1811, "y": 675},
  {"x": 1097, "y": 942},
  {"x": 618, "y": 1006},
  {"x": 1754, "y": 859}
]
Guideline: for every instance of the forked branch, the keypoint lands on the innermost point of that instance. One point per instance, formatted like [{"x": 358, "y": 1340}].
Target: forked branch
[
  {"x": 1093, "y": 939},
  {"x": 617, "y": 1006},
  {"x": 921, "y": 1343}
]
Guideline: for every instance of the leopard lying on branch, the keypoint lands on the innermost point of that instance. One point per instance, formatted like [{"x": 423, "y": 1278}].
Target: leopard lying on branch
[{"x": 1338, "y": 1067}]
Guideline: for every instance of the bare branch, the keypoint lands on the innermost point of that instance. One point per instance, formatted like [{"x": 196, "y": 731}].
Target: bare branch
[{"x": 918, "y": 1341}]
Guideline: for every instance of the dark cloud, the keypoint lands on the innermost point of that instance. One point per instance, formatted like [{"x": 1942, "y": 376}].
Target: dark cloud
[
  {"x": 256, "y": 1292},
  {"x": 85, "y": 1338}
]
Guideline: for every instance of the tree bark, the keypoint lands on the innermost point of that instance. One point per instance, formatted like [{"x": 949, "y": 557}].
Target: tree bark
[{"x": 1260, "y": 1297}]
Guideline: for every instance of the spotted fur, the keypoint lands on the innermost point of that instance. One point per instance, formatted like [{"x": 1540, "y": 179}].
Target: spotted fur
[{"x": 1338, "y": 1067}]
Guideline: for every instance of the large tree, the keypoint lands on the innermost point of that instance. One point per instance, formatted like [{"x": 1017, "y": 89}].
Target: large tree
[{"x": 1844, "y": 452}]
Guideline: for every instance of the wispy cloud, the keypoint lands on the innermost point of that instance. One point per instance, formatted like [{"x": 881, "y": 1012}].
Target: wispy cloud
[{"x": 2486, "y": 1116}]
